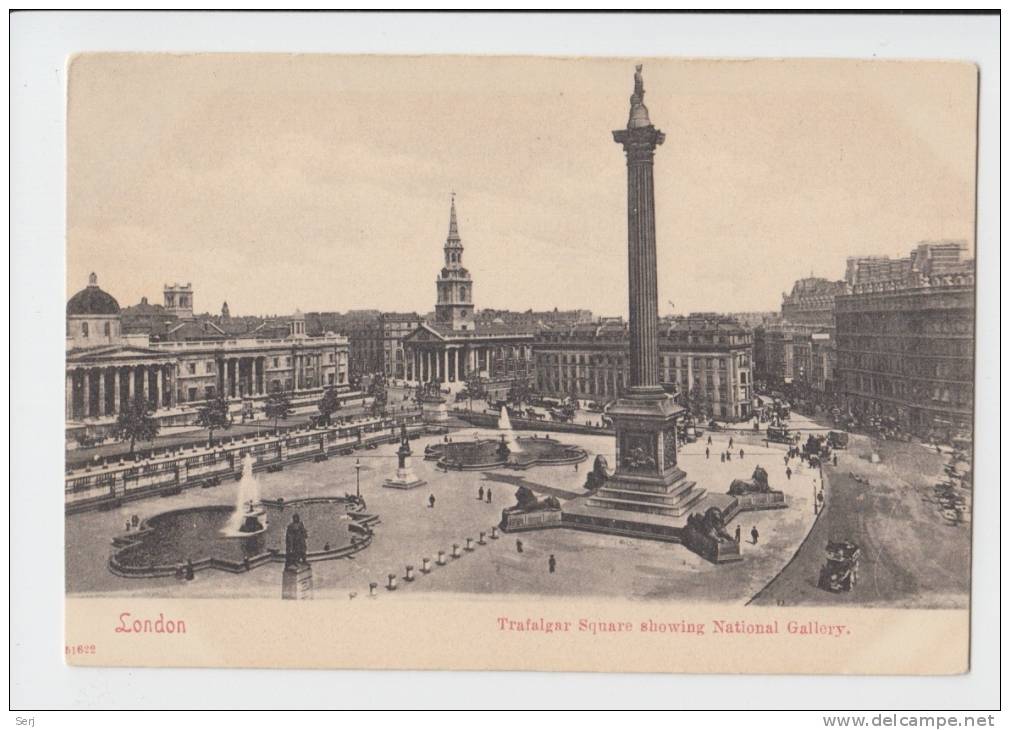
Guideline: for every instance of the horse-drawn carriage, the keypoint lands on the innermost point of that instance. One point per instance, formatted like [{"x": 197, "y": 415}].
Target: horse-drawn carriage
[{"x": 841, "y": 568}]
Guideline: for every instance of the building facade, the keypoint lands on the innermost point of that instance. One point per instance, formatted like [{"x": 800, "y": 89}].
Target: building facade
[
  {"x": 906, "y": 351},
  {"x": 704, "y": 357},
  {"x": 453, "y": 347},
  {"x": 185, "y": 361},
  {"x": 532, "y": 319}
]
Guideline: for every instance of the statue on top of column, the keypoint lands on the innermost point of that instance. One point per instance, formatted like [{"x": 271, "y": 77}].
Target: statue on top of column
[{"x": 639, "y": 116}]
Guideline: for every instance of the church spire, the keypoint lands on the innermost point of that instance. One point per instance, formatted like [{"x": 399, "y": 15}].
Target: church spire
[{"x": 453, "y": 238}]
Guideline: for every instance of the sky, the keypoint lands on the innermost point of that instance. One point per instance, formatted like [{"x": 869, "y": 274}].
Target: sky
[{"x": 322, "y": 183}]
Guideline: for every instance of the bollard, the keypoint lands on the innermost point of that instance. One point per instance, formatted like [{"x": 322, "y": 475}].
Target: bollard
[
  {"x": 409, "y": 574},
  {"x": 371, "y": 589},
  {"x": 469, "y": 544},
  {"x": 494, "y": 533},
  {"x": 425, "y": 565},
  {"x": 441, "y": 557},
  {"x": 455, "y": 550},
  {"x": 391, "y": 584},
  {"x": 481, "y": 540}
]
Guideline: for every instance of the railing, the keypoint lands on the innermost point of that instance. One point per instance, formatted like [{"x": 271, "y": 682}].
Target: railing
[{"x": 90, "y": 488}]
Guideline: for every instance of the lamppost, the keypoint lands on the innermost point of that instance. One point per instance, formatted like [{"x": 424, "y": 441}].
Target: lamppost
[{"x": 357, "y": 476}]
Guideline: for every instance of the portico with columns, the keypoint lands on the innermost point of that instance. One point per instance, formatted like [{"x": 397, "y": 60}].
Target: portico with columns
[
  {"x": 101, "y": 382},
  {"x": 451, "y": 357},
  {"x": 453, "y": 347}
]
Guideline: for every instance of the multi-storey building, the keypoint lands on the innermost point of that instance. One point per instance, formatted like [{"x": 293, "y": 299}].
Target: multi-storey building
[
  {"x": 182, "y": 360},
  {"x": 532, "y": 319},
  {"x": 703, "y": 356},
  {"x": 906, "y": 349},
  {"x": 454, "y": 346},
  {"x": 395, "y": 329}
]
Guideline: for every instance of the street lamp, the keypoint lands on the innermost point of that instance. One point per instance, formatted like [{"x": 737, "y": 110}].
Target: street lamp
[{"x": 357, "y": 476}]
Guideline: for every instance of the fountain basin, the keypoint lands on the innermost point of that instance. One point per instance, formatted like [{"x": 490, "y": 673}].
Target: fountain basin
[
  {"x": 165, "y": 541},
  {"x": 475, "y": 455}
]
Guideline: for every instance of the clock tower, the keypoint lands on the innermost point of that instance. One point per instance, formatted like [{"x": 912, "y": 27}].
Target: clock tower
[{"x": 454, "y": 306}]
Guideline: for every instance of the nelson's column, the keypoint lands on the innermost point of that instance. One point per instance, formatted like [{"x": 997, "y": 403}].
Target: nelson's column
[{"x": 647, "y": 478}]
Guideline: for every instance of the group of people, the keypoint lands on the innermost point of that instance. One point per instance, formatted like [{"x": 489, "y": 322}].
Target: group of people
[{"x": 724, "y": 456}]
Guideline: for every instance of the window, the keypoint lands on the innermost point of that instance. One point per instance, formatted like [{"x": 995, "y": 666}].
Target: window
[
  {"x": 191, "y": 369},
  {"x": 208, "y": 367},
  {"x": 191, "y": 394},
  {"x": 108, "y": 329},
  {"x": 84, "y": 329}
]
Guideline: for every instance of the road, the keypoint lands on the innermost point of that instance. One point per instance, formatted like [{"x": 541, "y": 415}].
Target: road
[{"x": 910, "y": 557}]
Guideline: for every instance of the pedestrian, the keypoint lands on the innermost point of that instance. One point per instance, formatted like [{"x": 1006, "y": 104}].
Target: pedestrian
[
  {"x": 722, "y": 457},
  {"x": 706, "y": 452},
  {"x": 731, "y": 442},
  {"x": 738, "y": 534},
  {"x": 480, "y": 494},
  {"x": 789, "y": 473},
  {"x": 489, "y": 495},
  {"x": 729, "y": 455},
  {"x": 710, "y": 439},
  {"x": 754, "y": 535},
  {"x": 576, "y": 466},
  {"x": 551, "y": 563},
  {"x": 741, "y": 453},
  {"x": 785, "y": 460},
  {"x": 189, "y": 569},
  {"x": 834, "y": 459},
  {"x": 431, "y": 501},
  {"x": 519, "y": 546}
]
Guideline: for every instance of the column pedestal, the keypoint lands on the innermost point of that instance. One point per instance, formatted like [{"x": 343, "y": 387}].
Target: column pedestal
[{"x": 296, "y": 584}]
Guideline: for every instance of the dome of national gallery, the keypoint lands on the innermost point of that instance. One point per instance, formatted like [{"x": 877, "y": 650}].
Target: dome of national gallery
[{"x": 92, "y": 300}]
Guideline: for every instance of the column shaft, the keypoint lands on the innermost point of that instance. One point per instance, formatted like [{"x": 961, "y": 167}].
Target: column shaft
[{"x": 101, "y": 392}]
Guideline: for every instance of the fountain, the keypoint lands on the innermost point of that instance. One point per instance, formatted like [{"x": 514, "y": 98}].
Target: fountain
[
  {"x": 505, "y": 426},
  {"x": 502, "y": 448},
  {"x": 249, "y": 517}
]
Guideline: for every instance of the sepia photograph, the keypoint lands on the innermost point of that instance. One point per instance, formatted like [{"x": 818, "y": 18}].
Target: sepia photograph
[
  {"x": 650, "y": 363},
  {"x": 345, "y": 328}
]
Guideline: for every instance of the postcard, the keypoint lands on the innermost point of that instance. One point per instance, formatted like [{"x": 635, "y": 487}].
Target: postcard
[{"x": 527, "y": 363}]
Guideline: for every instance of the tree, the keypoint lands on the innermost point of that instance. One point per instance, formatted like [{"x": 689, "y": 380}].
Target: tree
[
  {"x": 475, "y": 387},
  {"x": 573, "y": 394},
  {"x": 378, "y": 393},
  {"x": 136, "y": 423},
  {"x": 214, "y": 414},
  {"x": 328, "y": 405},
  {"x": 697, "y": 403},
  {"x": 519, "y": 391},
  {"x": 278, "y": 406}
]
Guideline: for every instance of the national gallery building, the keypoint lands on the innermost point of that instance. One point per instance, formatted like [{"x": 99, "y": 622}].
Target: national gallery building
[{"x": 173, "y": 359}]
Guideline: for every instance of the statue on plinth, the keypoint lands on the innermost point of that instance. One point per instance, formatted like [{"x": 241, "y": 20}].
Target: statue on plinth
[
  {"x": 758, "y": 483},
  {"x": 599, "y": 475},
  {"x": 405, "y": 477},
  {"x": 296, "y": 543},
  {"x": 712, "y": 524},
  {"x": 527, "y": 501}
]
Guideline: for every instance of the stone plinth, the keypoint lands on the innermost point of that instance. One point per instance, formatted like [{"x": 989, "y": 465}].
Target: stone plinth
[
  {"x": 647, "y": 477},
  {"x": 405, "y": 479},
  {"x": 296, "y": 584},
  {"x": 433, "y": 410}
]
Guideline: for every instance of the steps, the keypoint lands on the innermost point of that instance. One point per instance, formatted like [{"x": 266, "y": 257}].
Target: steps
[{"x": 675, "y": 501}]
